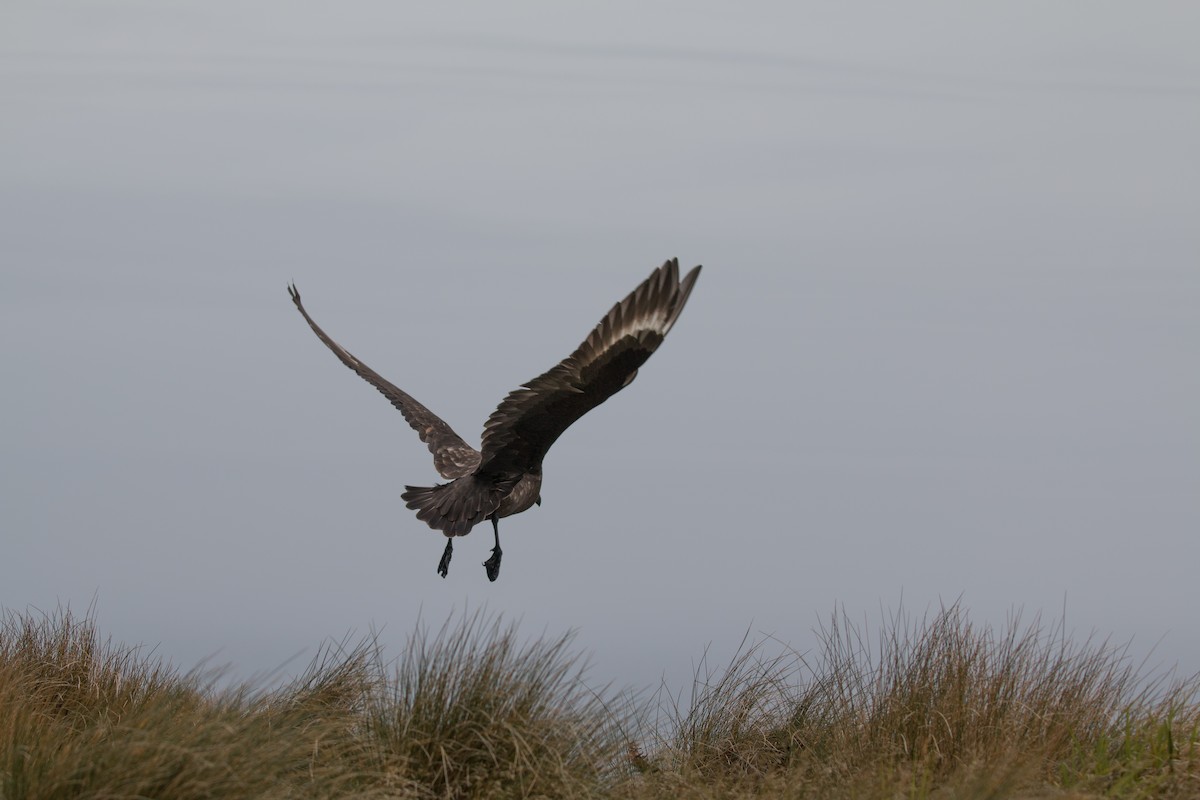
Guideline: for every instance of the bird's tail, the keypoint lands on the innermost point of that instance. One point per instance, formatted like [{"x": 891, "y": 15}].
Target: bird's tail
[{"x": 456, "y": 507}]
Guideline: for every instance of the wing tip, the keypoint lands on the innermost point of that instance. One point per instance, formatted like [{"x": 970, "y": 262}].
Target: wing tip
[
  {"x": 672, "y": 265},
  {"x": 683, "y": 291}
]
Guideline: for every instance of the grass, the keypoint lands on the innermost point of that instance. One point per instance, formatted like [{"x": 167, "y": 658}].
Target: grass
[{"x": 934, "y": 708}]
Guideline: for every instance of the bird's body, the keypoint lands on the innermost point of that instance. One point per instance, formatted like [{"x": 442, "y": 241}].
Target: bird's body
[{"x": 504, "y": 477}]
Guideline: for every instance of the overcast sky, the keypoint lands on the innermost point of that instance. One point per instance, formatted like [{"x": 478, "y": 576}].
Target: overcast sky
[{"x": 945, "y": 342}]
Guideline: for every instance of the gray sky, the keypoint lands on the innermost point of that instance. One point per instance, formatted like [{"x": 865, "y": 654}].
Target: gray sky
[{"x": 944, "y": 344}]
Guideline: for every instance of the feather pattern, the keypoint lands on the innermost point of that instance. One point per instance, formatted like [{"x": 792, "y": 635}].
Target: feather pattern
[
  {"x": 452, "y": 457},
  {"x": 521, "y": 430}
]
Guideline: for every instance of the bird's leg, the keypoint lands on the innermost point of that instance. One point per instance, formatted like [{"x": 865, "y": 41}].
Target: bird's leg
[
  {"x": 492, "y": 565},
  {"x": 444, "y": 564}
]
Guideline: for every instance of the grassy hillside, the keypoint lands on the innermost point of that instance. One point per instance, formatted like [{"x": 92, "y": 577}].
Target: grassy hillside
[{"x": 935, "y": 708}]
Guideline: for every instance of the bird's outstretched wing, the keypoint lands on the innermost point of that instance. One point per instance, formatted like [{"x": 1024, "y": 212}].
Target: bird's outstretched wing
[
  {"x": 452, "y": 457},
  {"x": 525, "y": 424}
]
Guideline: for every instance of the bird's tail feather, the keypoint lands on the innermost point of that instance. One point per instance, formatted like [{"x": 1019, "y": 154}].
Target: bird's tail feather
[{"x": 456, "y": 507}]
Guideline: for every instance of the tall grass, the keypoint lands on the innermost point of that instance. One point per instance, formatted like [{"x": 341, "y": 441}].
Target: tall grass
[
  {"x": 934, "y": 707},
  {"x": 471, "y": 712}
]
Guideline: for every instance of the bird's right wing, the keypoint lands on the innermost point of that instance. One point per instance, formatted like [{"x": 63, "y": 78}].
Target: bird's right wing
[
  {"x": 452, "y": 457},
  {"x": 525, "y": 424}
]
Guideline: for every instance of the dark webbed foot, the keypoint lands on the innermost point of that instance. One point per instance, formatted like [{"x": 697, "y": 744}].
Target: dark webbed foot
[
  {"x": 444, "y": 564},
  {"x": 492, "y": 565}
]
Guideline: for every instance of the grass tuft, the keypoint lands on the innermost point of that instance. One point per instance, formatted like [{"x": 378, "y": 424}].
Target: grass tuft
[
  {"x": 473, "y": 712},
  {"x": 930, "y": 708}
]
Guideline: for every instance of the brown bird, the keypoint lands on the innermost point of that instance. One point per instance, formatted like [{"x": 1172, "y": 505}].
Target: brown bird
[{"x": 505, "y": 476}]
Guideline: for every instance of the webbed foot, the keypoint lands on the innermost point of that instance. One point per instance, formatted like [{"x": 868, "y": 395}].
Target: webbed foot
[{"x": 492, "y": 565}]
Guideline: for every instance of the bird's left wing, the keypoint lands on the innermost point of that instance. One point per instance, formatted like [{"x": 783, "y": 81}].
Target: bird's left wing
[
  {"x": 525, "y": 424},
  {"x": 452, "y": 457}
]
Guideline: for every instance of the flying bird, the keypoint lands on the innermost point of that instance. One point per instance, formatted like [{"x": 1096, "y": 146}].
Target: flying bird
[{"x": 504, "y": 477}]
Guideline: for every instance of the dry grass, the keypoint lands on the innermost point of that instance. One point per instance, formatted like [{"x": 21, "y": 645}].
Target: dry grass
[
  {"x": 932, "y": 708},
  {"x": 935, "y": 708}
]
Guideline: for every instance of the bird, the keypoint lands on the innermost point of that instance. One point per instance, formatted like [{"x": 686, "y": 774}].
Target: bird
[{"x": 504, "y": 477}]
